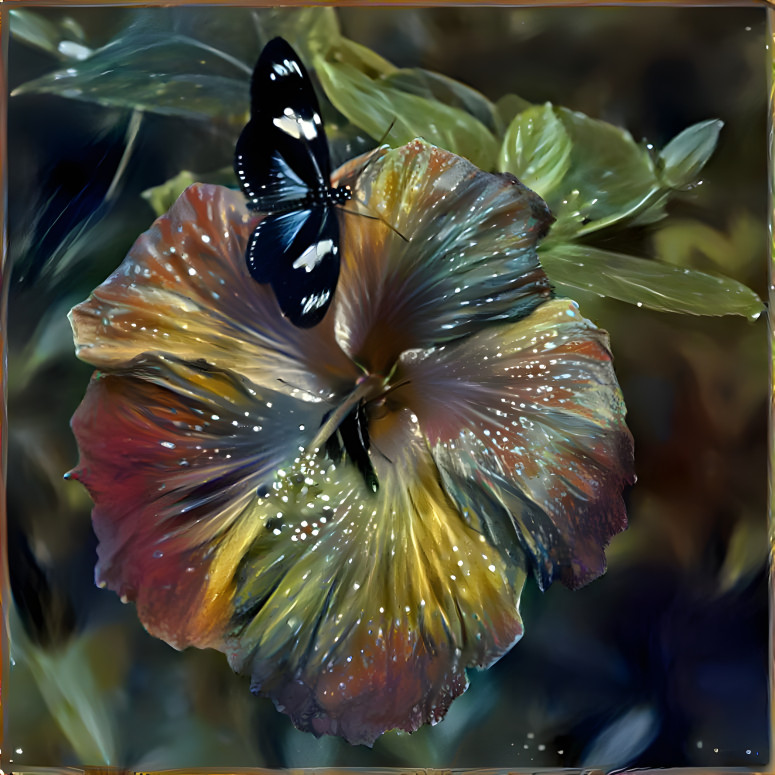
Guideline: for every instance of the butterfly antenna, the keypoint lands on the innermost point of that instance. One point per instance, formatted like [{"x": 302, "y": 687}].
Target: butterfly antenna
[
  {"x": 373, "y": 155},
  {"x": 301, "y": 389},
  {"x": 387, "y": 132},
  {"x": 397, "y": 385},
  {"x": 375, "y": 218}
]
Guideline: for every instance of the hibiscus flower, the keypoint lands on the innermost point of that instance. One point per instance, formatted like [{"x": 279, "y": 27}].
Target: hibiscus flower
[{"x": 349, "y": 511}]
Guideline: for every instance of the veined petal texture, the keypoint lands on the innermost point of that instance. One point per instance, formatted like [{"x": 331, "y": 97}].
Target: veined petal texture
[
  {"x": 440, "y": 250},
  {"x": 359, "y": 612},
  {"x": 526, "y": 422}
]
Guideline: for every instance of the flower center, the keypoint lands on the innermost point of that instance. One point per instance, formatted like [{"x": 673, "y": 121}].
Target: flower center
[{"x": 345, "y": 429}]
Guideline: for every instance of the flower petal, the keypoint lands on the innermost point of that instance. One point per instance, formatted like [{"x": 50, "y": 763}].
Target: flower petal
[
  {"x": 173, "y": 456},
  {"x": 359, "y": 612},
  {"x": 527, "y": 427},
  {"x": 184, "y": 289},
  {"x": 445, "y": 248},
  {"x": 333, "y": 598}
]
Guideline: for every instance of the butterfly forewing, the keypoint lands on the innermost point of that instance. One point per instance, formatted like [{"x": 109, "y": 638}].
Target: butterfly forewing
[
  {"x": 282, "y": 154},
  {"x": 297, "y": 253}
]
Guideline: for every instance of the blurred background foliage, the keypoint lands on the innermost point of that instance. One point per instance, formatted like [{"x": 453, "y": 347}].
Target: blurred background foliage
[{"x": 645, "y": 130}]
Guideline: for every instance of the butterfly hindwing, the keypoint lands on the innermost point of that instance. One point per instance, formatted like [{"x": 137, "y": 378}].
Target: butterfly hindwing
[{"x": 297, "y": 253}]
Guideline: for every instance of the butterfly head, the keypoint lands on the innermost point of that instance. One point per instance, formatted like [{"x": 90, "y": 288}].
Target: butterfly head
[{"x": 342, "y": 194}]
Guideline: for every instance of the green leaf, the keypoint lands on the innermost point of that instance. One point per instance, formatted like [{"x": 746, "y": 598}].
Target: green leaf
[
  {"x": 310, "y": 31},
  {"x": 363, "y": 58},
  {"x": 163, "y": 196},
  {"x": 653, "y": 210},
  {"x": 593, "y": 174},
  {"x": 646, "y": 283},
  {"x": 686, "y": 154},
  {"x": 509, "y": 105},
  {"x": 63, "y": 39},
  {"x": 435, "y": 86},
  {"x": 71, "y": 690},
  {"x": 610, "y": 177},
  {"x": 536, "y": 149},
  {"x": 158, "y": 67},
  {"x": 373, "y": 104}
]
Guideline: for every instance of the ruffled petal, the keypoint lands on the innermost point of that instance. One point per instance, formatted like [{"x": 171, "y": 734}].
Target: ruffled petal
[
  {"x": 184, "y": 289},
  {"x": 359, "y": 612},
  {"x": 355, "y": 598},
  {"x": 527, "y": 427},
  {"x": 440, "y": 249},
  {"x": 174, "y": 457}
]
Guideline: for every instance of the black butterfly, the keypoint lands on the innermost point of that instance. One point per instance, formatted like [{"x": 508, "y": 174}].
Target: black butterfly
[{"x": 284, "y": 169}]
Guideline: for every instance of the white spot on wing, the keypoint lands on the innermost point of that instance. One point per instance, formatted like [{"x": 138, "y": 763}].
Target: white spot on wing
[
  {"x": 286, "y": 67},
  {"x": 315, "y": 301},
  {"x": 297, "y": 127},
  {"x": 314, "y": 254}
]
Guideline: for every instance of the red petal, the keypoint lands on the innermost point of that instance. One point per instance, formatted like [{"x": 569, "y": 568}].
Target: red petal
[{"x": 172, "y": 456}]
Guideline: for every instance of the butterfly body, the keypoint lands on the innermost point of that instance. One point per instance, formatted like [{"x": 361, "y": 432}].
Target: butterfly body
[{"x": 283, "y": 165}]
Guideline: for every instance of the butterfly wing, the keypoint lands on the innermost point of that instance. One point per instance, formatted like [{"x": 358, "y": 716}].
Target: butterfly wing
[
  {"x": 297, "y": 253},
  {"x": 282, "y": 153}
]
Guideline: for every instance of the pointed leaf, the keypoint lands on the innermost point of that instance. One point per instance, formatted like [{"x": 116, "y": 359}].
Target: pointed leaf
[
  {"x": 54, "y": 38},
  {"x": 154, "y": 67},
  {"x": 610, "y": 176},
  {"x": 646, "y": 283},
  {"x": 686, "y": 154},
  {"x": 374, "y": 104},
  {"x": 162, "y": 197},
  {"x": 435, "y": 86},
  {"x": 536, "y": 149}
]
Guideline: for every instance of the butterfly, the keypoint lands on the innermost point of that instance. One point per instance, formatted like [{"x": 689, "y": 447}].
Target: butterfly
[{"x": 283, "y": 166}]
